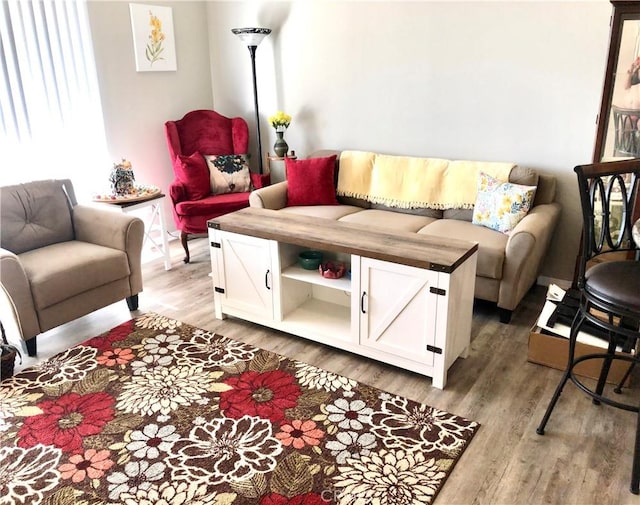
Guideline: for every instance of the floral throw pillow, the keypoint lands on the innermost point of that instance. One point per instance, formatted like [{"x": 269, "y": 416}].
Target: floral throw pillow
[
  {"x": 229, "y": 173},
  {"x": 501, "y": 205}
]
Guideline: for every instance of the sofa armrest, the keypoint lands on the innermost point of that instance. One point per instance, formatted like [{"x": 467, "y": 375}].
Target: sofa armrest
[
  {"x": 16, "y": 303},
  {"x": 271, "y": 197},
  {"x": 526, "y": 248},
  {"x": 116, "y": 230}
]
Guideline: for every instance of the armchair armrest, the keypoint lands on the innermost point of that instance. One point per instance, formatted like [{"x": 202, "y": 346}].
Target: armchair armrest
[
  {"x": 116, "y": 230},
  {"x": 106, "y": 228},
  {"x": 526, "y": 248},
  {"x": 260, "y": 180},
  {"x": 177, "y": 192},
  {"x": 270, "y": 197},
  {"x": 16, "y": 303}
]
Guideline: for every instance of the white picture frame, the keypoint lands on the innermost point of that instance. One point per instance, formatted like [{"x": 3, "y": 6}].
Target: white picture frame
[{"x": 153, "y": 38}]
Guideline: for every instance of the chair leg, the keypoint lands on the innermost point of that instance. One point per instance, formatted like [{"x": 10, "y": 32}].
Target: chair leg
[
  {"x": 618, "y": 388},
  {"x": 132, "y": 302},
  {"x": 505, "y": 315},
  {"x": 635, "y": 469},
  {"x": 606, "y": 366},
  {"x": 631, "y": 325},
  {"x": 32, "y": 346},
  {"x": 575, "y": 327},
  {"x": 183, "y": 239},
  {"x": 552, "y": 403}
]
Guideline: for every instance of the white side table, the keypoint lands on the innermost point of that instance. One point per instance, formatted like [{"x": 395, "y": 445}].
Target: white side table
[
  {"x": 156, "y": 222},
  {"x": 276, "y": 168}
]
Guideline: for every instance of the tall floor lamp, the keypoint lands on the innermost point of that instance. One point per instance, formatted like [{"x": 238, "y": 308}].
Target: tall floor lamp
[{"x": 253, "y": 37}]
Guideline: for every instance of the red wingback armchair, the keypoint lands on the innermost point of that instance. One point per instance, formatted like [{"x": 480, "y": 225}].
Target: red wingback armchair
[{"x": 200, "y": 133}]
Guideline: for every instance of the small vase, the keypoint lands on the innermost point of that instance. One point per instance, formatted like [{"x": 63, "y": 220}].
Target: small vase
[{"x": 280, "y": 147}]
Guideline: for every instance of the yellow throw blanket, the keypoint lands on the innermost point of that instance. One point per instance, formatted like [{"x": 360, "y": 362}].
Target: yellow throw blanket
[{"x": 408, "y": 182}]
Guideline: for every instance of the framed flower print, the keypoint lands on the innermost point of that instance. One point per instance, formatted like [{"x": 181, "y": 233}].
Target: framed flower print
[{"x": 153, "y": 38}]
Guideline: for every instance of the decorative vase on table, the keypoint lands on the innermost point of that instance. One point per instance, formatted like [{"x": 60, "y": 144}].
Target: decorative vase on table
[
  {"x": 280, "y": 121},
  {"x": 280, "y": 147},
  {"x": 122, "y": 179}
]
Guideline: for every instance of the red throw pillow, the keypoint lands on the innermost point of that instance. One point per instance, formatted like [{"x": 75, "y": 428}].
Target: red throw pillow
[
  {"x": 193, "y": 172},
  {"x": 310, "y": 181}
]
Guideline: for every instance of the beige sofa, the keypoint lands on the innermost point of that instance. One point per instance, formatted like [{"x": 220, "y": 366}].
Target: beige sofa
[
  {"x": 60, "y": 260},
  {"x": 508, "y": 265}
]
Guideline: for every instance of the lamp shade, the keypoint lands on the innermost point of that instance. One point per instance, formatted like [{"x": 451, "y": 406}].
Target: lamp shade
[{"x": 252, "y": 36}]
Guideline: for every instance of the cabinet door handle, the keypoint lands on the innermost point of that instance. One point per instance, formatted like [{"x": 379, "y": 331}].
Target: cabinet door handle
[
  {"x": 266, "y": 279},
  {"x": 364, "y": 293}
]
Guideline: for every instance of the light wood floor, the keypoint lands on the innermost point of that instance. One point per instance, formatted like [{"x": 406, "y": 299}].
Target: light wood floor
[{"x": 584, "y": 458}]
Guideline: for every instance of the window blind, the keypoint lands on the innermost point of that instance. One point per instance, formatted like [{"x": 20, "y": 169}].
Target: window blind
[{"x": 51, "y": 123}]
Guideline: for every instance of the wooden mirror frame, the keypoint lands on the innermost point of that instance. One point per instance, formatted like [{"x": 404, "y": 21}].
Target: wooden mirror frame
[
  {"x": 623, "y": 11},
  {"x": 609, "y": 144}
]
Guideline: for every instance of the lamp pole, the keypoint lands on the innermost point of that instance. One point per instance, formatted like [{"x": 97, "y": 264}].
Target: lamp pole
[
  {"x": 253, "y": 37},
  {"x": 252, "y": 52}
]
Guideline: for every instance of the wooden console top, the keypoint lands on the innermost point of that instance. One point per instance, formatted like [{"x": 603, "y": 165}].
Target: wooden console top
[{"x": 405, "y": 248}]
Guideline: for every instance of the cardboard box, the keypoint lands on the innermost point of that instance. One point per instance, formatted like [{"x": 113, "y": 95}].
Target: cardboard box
[{"x": 552, "y": 351}]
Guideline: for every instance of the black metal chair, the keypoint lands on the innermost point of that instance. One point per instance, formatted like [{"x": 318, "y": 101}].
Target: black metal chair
[{"x": 611, "y": 286}]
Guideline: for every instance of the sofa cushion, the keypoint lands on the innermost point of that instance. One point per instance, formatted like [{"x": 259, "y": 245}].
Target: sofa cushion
[
  {"x": 357, "y": 202},
  {"x": 546, "y": 191},
  {"x": 491, "y": 244},
  {"x": 396, "y": 221},
  {"x": 35, "y": 214},
  {"x": 311, "y": 181},
  {"x": 229, "y": 173},
  {"x": 60, "y": 271},
  {"x": 458, "y": 214},
  {"x": 334, "y": 212},
  {"x": 524, "y": 176},
  {"x": 434, "y": 213},
  {"x": 193, "y": 173},
  {"x": 501, "y": 206}
]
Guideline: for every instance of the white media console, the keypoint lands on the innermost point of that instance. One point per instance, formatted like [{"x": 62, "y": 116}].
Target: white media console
[{"x": 408, "y": 300}]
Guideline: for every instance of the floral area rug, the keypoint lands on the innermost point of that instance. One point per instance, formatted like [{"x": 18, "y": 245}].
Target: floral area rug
[{"x": 159, "y": 412}]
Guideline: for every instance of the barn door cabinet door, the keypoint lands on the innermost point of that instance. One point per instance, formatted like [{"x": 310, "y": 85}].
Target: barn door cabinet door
[
  {"x": 398, "y": 309},
  {"x": 243, "y": 274}
]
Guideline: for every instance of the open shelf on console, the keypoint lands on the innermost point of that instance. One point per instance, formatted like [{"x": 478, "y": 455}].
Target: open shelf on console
[
  {"x": 313, "y": 277},
  {"x": 321, "y": 318}
]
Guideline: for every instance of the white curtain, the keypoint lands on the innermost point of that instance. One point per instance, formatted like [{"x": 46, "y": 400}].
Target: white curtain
[{"x": 51, "y": 123}]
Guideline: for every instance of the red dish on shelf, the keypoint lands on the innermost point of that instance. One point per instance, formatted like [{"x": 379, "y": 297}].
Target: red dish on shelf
[{"x": 332, "y": 269}]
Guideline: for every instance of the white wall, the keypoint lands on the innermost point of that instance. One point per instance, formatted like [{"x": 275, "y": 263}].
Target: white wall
[
  {"x": 517, "y": 81},
  {"x": 137, "y": 104},
  {"x": 504, "y": 81}
]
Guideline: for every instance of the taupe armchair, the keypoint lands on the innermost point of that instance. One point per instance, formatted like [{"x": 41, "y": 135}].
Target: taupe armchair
[{"x": 60, "y": 260}]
